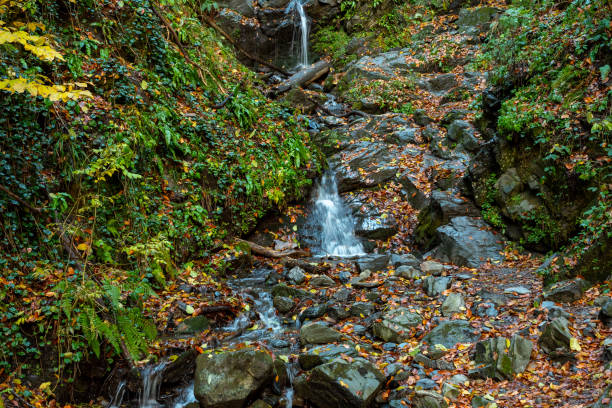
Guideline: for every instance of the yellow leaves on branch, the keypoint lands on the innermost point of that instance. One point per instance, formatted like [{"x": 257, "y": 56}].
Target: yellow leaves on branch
[
  {"x": 52, "y": 92},
  {"x": 36, "y": 44}
]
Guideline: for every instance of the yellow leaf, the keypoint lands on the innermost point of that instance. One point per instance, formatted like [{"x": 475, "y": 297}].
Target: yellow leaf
[
  {"x": 83, "y": 247},
  {"x": 574, "y": 345},
  {"x": 44, "y": 386}
]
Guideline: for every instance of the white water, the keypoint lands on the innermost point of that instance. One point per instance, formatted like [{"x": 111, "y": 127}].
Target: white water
[
  {"x": 151, "y": 381},
  {"x": 337, "y": 225},
  {"x": 118, "y": 397},
  {"x": 298, "y": 6}
]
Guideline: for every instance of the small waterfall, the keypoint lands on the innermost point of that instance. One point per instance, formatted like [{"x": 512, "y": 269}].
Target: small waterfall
[
  {"x": 118, "y": 397},
  {"x": 337, "y": 235},
  {"x": 267, "y": 313},
  {"x": 151, "y": 381},
  {"x": 298, "y": 6}
]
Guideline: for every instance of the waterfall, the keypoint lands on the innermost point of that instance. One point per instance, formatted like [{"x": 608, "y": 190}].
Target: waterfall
[
  {"x": 151, "y": 381},
  {"x": 337, "y": 226},
  {"x": 298, "y": 6}
]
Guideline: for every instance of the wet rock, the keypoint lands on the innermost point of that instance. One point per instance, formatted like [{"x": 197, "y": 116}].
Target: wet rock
[
  {"x": 282, "y": 303},
  {"x": 453, "y": 303},
  {"x": 450, "y": 391},
  {"x": 342, "y": 295},
  {"x": 607, "y": 350},
  {"x": 318, "y": 333},
  {"x": 321, "y": 281},
  {"x": 508, "y": 185},
  {"x": 244, "y": 7},
  {"x": 554, "y": 311},
  {"x": 407, "y": 272},
  {"x": 362, "y": 157},
  {"x": 479, "y": 401},
  {"x": 323, "y": 354},
  {"x": 287, "y": 291},
  {"x": 428, "y": 399},
  {"x": 485, "y": 309},
  {"x": 501, "y": 358},
  {"x": 432, "y": 268},
  {"x": 477, "y": 17},
  {"x": 338, "y": 312},
  {"x": 442, "y": 83},
  {"x": 296, "y": 275},
  {"x": 605, "y": 314},
  {"x": 404, "y": 259},
  {"x": 193, "y": 325},
  {"x": 421, "y": 118},
  {"x": 362, "y": 309},
  {"x": 402, "y": 137},
  {"x": 458, "y": 379},
  {"x": 435, "y": 364},
  {"x": 451, "y": 332},
  {"x": 435, "y": 286},
  {"x": 313, "y": 312},
  {"x": 411, "y": 192},
  {"x": 517, "y": 290},
  {"x": 396, "y": 324},
  {"x": 497, "y": 299},
  {"x": 467, "y": 241},
  {"x": 555, "y": 339},
  {"x": 344, "y": 276},
  {"x": 462, "y": 132},
  {"x": 373, "y": 262},
  {"x": 376, "y": 226},
  {"x": 425, "y": 384},
  {"x": 566, "y": 291},
  {"x": 342, "y": 384},
  {"x": 229, "y": 379}
]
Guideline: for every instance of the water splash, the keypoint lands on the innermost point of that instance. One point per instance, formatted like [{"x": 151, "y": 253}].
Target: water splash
[
  {"x": 298, "y": 7},
  {"x": 185, "y": 398},
  {"x": 337, "y": 236},
  {"x": 118, "y": 397}
]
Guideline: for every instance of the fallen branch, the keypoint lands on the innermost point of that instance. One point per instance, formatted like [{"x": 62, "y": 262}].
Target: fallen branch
[
  {"x": 272, "y": 253},
  {"x": 208, "y": 20},
  {"x": 304, "y": 77},
  {"x": 20, "y": 200}
]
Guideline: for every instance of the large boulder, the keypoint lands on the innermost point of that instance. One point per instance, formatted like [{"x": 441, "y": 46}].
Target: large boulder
[
  {"x": 229, "y": 379},
  {"x": 376, "y": 226},
  {"x": 341, "y": 384},
  {"x": 454, "y": 303},
  {"x": 434, "y": 286},
  {"x": 323, "y": 354},
  {"x": 373, "y": 262},
  {"x": 428, "y": 399},
  {"x": 501, "y": 358},
  {"x": 318, "y": 333},
  {"x": 468, "y": 242},
  {"x": 556, "y": 338},
  {"x": 396, "y": 324},
  {"x": 566, "y": 291},
  {"x": 451, "y": 332}
]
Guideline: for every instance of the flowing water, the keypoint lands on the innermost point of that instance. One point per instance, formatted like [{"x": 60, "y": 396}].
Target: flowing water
[
  {"x": 298, "y": 7},
  {"x": 335, "y": 222},
  {"x": 151, "y": 382}
]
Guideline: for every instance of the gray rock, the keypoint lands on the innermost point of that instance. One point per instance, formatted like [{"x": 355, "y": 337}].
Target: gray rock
[
  {"x": 339, "y": 384},
  {"x": 363, "y": 309},
  {"x": 607, "y": 350},
  {"x": 323, "y": 354},
  {"x": 404, "y": 260},
  {"x": 313, "y": 312},
  {"x": 501, "y": 358},
  {"x": 555, "y": 338},
  {"x": 321, "y": 281},
  {"x": 442, "y": 83},
  {"x": 425, "y": 384},
  {"x": 435, "y": 286},
  {"x": 605, "y": 314},
  {"x": 566, "y": 291},
  {"x": 282, "y": 303},
  {"x": 435, "y": 364},
  {"x": 421, "y": 118},
  {"x": 373, "y": 262},
  {"x": 284, "y": 290},
  {"x": 453, "y": 303},
  {"x": 376, "y": 226},
  {"x": 402, "y": 136},
  {"x": 244, "y": 7},
  {"x": 519, "y": 290},
  {"x": 410, "y": 191},
  {"x": 508, "y": 185},
  {"x": 229, "y": 379},
  {"x": 554, "y": 311},
  {"x": 395, "y": 325},
  {"x": 479, "y": 401},
  {"x": 451, "y": 332},
  {"x": 338, "y": 312},
  {"x": 344, "y": 276},
  {"x": 458, "y": 379},
  {"x": 450, "y": 391},
  {"x": 296, "y": 275},
  {"x": 432, "y": 268},
  {"x": 462, "y": 132},
  {"x": 468, "y": 242},
  {"x": 407, "y": 272},
  {"x": 193, "y": 325},
  {"x": 318, "y": 333},
  {"x": 478, "y": 17},
  {"x": 428, "y": 399}
]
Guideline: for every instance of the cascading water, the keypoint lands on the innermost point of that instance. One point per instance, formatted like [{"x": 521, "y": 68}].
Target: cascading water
[
  {"x": 337, "y": 226},
  {"x": 151, "y": 381},
  {"x": 298, "y": 7}
]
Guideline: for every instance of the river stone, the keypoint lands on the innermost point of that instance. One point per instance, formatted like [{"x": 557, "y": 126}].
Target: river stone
[
  {"x": 450, "y": 332},
  {"x": 402, "y": 136},
  {"x": 296, "y": 275},
  {"x": 373, "y": 262},
  {"x": 453, "y": 303},
  {"x": 432, "y": 268},
  {"x": 229, "y": 379},
  {"x": 287, "y": 291},
  {"x": 395, "y": 325},
  {"x": 342, "y": 384},
  {"x": 434, "y": 286},
  {"x": 500, "y": 358},
  {"x": 605, "y": 314},
  {"x": 398, "y": 260},
  {"x": 467, "y": 241},
  {"x": 363, "y": 309},
  {"x": 193, "y": 325},
  {"x": 321, "y": 281},
  {"x": 411, "y": 193},
  {"x": 313, "y": 312},
  {"x": 318, "y": 333},
  {"x": 376, "y": 226},
  {"x": 282, "y": 303},
  {"x": 407, "y": 272},
  {"x": 566, "y": 291},
  {"x": 323, "y": 354},
  {"x": 518, "y": 290},
  {"x": 450, "y": 391},
  {"x": 428, "y": 399},
  {"x": 555, "y": 338}
]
